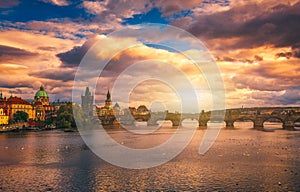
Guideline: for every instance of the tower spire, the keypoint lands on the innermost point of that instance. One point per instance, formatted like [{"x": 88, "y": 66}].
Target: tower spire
[
  {"x": 87, "y": 92},
  {"x": 108, "y": 103},
  {"x": 108, "y": 97}
]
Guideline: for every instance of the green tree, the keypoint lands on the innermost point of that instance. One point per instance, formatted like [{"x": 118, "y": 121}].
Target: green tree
[
  {"x": 20, "y": 116},
  {"x": 65, "y": 118}
]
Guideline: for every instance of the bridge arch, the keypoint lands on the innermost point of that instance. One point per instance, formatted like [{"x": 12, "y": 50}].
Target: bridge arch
[
  {"x": 297, "y": 120},
  {"x": 211, "y": 123},
  {"x": 155, "y": 121},
  {"x": 297, "y": 124},
  {"x": 245, "y": 120},
  {"x": 274, "y": 120},
  {"x": 189, "y": 121},
  {"x": 164, "y": 122}
]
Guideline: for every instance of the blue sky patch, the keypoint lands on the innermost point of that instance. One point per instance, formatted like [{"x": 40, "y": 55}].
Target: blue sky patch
[
  {"x": 153, "y": 16},
  {"x": 37, "y": 10}
]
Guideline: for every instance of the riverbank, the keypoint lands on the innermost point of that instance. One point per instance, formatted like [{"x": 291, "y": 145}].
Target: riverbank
[{"x": 35, "y": 129}]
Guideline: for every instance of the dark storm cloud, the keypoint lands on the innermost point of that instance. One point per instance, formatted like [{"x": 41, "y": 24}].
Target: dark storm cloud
[
  {"x": 13, "y": 84},
  {"x": 266, "y": 71},
  {"x": 297, "y": 53},
  {"x": 278, "y": 26},
  {"x": 55, "y": 74},
  {"x": 284, "y": 54},
  {"x": 269, "y": 76},
  {"x": 73, "y": 57},
  {"x": 296, "y": 50},
  {"x": 12, "y": 53},
  {"x": 255, "y": 83},
  {"x": 291, "y": 96},
  {"x": 258, "y": 58},
  {"x": 226, "y": 58},
  {"x": 47, "y": 48},
  {"x": 244, "y": 60}
]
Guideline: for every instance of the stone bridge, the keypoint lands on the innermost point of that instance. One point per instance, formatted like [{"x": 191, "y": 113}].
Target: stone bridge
[{"x": 287, "y": 116}]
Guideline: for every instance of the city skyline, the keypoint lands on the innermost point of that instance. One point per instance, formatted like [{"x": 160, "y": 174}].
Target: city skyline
[{"x": 255, "y": 45}]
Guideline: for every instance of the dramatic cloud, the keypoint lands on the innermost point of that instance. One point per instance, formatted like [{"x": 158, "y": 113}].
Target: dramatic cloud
[
  {"x": 111, "y": 13},
  {"x": 55, "y": 74},
  {"x": 290, "y": 97},
  {"x": 121, "y": 9},
  {"x": 95, "y": 7},
  {"x": 285, "y": 54},
  {"x": 256, "y": 58},
  {"x": 276, "y": 25},
  {"x": 8, "y": 54},
  {"x": 276, "y": 75},
  {"x": 47, "y": 48},
  {"x": 57, "y": 2},
  {"x": 73, "y": 57},
  {"x": 171, "y": 7},
  {"x": 12, "y": 69}
]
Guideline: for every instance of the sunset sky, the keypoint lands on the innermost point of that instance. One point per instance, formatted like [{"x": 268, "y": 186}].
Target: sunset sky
[{"x": 255, "y": 43}]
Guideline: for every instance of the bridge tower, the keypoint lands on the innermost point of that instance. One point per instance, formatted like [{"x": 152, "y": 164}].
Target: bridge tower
[{"x": 87, "y": 102}]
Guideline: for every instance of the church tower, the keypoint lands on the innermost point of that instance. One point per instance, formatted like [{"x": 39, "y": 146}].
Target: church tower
[
  {"x": 108, "y": 102},
  {"x": 87, "y": 101}
]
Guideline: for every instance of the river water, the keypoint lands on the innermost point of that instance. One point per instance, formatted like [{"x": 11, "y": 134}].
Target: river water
[{"x": 240, "y": 160}]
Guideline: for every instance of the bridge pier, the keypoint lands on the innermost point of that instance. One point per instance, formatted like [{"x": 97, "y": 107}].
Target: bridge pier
[
  {"x": 202, "y": 123},
  {"x": 259, "y": 127},
  {"x": 288, "y": 124},
  {"x": 229, "y": 124},
  {"x": 259, "y": 123},
  {"x": 176, "y": 122}
]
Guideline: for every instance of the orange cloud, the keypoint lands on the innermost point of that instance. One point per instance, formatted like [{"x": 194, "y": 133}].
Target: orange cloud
[{"x": 57, "y": 2}]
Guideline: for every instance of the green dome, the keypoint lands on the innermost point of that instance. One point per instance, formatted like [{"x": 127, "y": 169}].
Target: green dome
[{"x": 41, "y": 93}]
